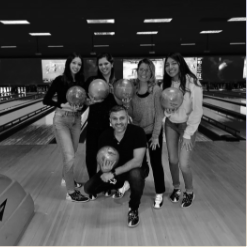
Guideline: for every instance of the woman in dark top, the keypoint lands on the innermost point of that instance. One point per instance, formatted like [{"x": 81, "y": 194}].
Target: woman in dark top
[
  {"x": 98, "y": 117},
  {"x": 67, "y": 121}
]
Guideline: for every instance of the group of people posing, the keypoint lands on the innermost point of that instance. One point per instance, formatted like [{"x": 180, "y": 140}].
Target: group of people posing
[{"x": 133, "y": 131}]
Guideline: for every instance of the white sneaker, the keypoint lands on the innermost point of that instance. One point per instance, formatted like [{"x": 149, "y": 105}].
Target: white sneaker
[
  {"x": 120, "y": 192},
  {"x": 158, "y": 201},
  {"x": 63, "y": 183}
]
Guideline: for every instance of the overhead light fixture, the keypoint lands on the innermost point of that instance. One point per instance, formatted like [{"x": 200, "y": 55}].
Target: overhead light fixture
[
  {"x": 211, "y": 31},
  {"x": 8, "y": 46},
  {"x": 55, "y": 46},
  {"x": 152, "y": 52},
  {"x": 101, "y": 21},
  {"x": 40, "y": 34},
  {"x": 101, "y": 45},
  {"x": 188, "y": 43},
  {"x": 147, "y": 44},
  {"x": 161, "y": 20},
  {"x": 104, "y": 33},
  {"x": 237, "y": 19},
  {"x": 93, "y": 53},
  {"x": 146, "y": 33},
  {"x": 15, "y": 22},
  {"x": 237, "y": 43}
]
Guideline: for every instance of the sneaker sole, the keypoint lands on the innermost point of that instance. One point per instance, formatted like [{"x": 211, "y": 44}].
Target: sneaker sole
[
  {"x": 191, "y": 202},
  {"x": 71, "y": 200},
  {"x": 173, "y": 201},
  {"x": 134, "y": 225}
]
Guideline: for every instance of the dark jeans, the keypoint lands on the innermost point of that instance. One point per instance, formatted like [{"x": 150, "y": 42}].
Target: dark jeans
[
  {"x": 156, "y": 163},
  {"x": 92, "y": 150},
  {"x": 135, "y": 177}
]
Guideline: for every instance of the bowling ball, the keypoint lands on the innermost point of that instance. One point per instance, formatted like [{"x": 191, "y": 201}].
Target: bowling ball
[
  {"x": 98, "y": 90},
  {"x": 76, "y": 95},
  {"x": 108, "y": 153},
  {"x": 171, "y": 98},
  {"x": 123, "y": 89}
]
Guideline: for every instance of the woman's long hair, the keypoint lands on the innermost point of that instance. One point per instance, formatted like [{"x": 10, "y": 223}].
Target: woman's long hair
[
  {"x": 110, "y": 59},
  {"x": 67, "y": 76},
  {"x": 152, "y": 80},
  {"x": 183, "y": 71}
]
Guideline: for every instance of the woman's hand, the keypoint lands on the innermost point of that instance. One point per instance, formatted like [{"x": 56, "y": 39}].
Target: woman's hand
[
  {"x": 68, "y": 107},
  {"x": 170, "y": 111},
  {"x": 186, "y": 143},
  {"x": 91, "y": 100},
  {"x": 107, "y": 165},
  {"x": 154, "y": 143}
]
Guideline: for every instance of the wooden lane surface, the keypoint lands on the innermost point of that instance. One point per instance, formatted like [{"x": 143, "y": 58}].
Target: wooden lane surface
[{"x": 217, "y": 216}]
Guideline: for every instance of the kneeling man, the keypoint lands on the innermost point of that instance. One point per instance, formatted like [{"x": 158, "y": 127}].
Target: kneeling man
[{"x": 130, "y": 142}]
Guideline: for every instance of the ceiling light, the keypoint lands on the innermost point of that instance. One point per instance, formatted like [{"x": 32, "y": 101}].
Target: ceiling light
[
  {"x": 93, "y": 53},
  {"x": 101, "y": 45},
  {"x": 152, "y": 52},
  {"x": 14, "y": 22},
  {"x": 237, "y": 43},
  {"x": 40, "y": 34},
  {"x": 145, "y": 33},
  {"x": 8, "y": 46},
  {"x": 157, "y": 20},
  {"x": 101, "y": 21},
  {"x": 104, "y": 33},
  {"x": 211, "y": 31},
  {"x": 147, "y": 44},
  {"x": 237, "y": 19},
  {"x": 188, "y": 43},
  {"x": 55, "y": 46}
]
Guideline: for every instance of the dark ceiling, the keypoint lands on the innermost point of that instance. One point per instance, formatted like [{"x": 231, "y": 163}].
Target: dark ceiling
[{"x": 66, "y": 21}]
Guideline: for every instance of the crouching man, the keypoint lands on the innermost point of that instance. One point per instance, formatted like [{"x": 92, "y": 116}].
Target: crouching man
[{"x": 130, "y": 142}]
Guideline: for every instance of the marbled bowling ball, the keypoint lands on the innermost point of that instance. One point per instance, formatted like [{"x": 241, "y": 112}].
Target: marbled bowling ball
[
  {"x": 108, "y": 153},
  {"x": 98, "y": 90},
  {"x": 76, "y": 95},
  {"x": 171, "y": 98}
]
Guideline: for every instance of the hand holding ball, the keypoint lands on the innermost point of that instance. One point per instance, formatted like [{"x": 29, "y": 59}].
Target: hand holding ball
[
  {"x": 171, "y": 98},
  {"x": 98, "y": 90},
  {"x": 76, "y": 96}
]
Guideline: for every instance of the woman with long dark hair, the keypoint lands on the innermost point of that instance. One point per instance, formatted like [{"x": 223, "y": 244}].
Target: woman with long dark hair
[
  {"x": 145, "y": 110},
  {"x": 67, "y": 121},
  {"x": 98, "y": 117},
  {"x": 181, "y": 124}
]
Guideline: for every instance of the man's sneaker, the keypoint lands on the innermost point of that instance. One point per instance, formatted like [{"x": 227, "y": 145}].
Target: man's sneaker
[
  {"x": 158, "y": 201},
  {"x": 187, "y": 199},
  {"x": 76, "y": 197},
  {"x": 175, "y": 195},
  {"x": 120, "y": 192},
  {"x": 63, "y": 183},
  {"x": 77, "y": 184},
  {"x": 92, "y": 197},
  {"x": 107, "y": 193},
  {"x": 133, "y": 218}
]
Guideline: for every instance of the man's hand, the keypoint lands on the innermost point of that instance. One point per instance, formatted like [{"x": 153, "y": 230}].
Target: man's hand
[
  {"x": 106, "y": 177},
  {"x": 68, "y": 107},
  {"x": 107, "y": 165}
]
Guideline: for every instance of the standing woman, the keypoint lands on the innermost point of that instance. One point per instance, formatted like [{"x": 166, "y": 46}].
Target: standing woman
[
  {"x": 67, "y": 121},
  {"x": 145, "y": 110},
  {"x": 181, "y": 125},
  {"x": 98, "y": 117}
]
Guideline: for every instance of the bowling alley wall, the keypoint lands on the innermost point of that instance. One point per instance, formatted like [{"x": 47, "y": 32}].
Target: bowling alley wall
[{"x": 38, "y": 72}]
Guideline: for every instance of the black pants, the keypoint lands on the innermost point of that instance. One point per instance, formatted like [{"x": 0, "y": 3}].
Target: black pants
[
  {"x": 135, "y": 177},
  {"x": 92, "y": 150},
  {"x": 156, "y": 163}
]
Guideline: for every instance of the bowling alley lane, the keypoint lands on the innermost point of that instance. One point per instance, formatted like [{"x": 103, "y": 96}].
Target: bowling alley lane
[
  {"x": 37, "y": 133},
  {"x": 19, "y": 113}
]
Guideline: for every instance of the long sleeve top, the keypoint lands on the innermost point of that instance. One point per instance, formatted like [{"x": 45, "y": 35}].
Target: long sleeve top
[
  {"x": 60, "y": 88},
  {"x": 146, "y": 112},
  {"x": 191, "y": 110}
]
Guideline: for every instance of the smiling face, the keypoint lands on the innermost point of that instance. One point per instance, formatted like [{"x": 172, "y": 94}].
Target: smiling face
[
  {"x": 105, "y": 66},
  {"x": 144, "y": 72},
  {"x": 172, "y": 68},
  {"x": 119, "y": 121},
  {"x": 75, "y": 65}
]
